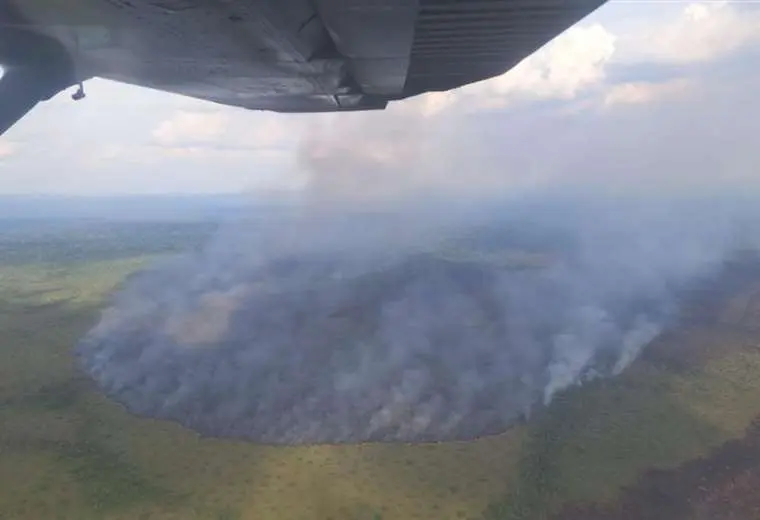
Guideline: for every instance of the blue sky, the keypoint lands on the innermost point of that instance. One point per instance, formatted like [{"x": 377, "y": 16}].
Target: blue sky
[{"x": 640, "y": 95}]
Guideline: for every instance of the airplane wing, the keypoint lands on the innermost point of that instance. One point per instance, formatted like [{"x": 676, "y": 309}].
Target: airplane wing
[{"x": 280, "y": 55}]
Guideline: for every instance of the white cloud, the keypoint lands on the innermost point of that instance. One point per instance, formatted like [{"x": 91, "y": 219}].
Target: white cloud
[
  {"x": 226, "y": 129},
  {"x": 103, "y": 154},
  {"x": 645, "y": 92},
  {"x": 433, "y": 103},
  {"x": 269, "y": 130},
  {"x": 701, "y": 31},
  {"x": 7, "y": 148},
  {"x": 572, "y": 62},
  {"x": 190, "y": 127},
  {"x": 565, "y": 67}
]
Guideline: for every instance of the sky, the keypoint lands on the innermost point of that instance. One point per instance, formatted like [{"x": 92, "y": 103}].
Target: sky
[{"x": 641, "y": 95}]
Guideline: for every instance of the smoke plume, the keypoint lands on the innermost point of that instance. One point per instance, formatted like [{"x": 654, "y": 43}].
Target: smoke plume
[{"x": 403, "y": 301}]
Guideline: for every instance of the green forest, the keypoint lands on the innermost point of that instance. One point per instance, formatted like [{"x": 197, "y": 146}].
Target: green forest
[{"x": 650, "y": 438}]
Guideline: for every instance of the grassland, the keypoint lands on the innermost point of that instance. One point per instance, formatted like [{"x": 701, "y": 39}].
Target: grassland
[{"x": 66, "y": 452}]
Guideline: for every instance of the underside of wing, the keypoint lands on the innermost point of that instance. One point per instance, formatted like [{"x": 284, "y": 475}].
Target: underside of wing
[{"x": 280, "y": 55}]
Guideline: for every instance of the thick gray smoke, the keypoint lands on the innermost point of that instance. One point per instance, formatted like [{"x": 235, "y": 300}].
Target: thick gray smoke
[
  {"x": 319, "y": 328},
  {"x": 404, "y": 302}
]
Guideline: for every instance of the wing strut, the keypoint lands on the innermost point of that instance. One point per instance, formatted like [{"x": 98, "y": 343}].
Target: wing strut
[
  {"x": 18, "y": 95},
  {"x": 35, "y": 66}
]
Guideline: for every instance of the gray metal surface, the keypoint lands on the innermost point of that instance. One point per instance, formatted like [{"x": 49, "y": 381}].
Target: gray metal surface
[
  {"x": 462, "y": 41},
  {"x": 282, "y": 55}
]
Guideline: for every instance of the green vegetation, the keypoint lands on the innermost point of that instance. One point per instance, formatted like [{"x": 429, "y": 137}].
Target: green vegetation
[
  {"x": 87, "y": 241},
  {"x": 68, "y": 452}
]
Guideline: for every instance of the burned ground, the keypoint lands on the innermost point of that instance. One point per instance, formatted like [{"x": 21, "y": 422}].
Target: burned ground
[{"x": 69, "y": 452}]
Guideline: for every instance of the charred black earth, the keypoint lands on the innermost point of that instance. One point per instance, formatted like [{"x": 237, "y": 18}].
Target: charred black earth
[{"x": 422, "y": 347}]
